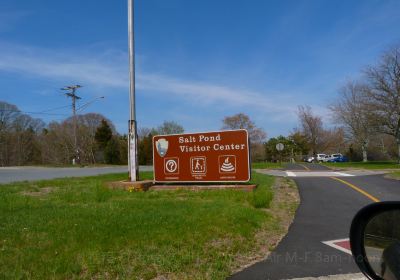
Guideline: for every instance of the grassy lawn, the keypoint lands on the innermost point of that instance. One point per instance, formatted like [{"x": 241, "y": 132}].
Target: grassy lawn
[
  {"x": 266, "y": 165},
  {"x": 364, "y": 165},
  {"x": 77, "y": 228}
]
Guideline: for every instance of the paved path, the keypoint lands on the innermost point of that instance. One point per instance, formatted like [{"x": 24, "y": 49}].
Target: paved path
[
  {"x": 12, "y": 174},
  {"x": 328, "y": 205},
  {"x": 316, "y": 170}
]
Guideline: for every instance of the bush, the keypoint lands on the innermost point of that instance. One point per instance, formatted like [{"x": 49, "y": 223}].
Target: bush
[
  {"x": 111, "y": 152},
  {"x": 262, "y": 197},
  {"x": 263, "y": 194}
]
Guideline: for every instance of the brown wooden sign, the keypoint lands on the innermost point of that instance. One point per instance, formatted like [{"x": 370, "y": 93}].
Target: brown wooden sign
[{"x": 221, "y": 156}]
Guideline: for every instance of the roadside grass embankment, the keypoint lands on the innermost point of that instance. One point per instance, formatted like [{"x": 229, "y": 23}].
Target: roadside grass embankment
[
  {"x": 78, "y": 228},
  {"x": 393, "y": 175},
  {"x": 363, "y": 165}
]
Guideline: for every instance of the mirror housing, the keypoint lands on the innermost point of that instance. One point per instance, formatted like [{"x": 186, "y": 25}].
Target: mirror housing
[{"x": 358, "y": 236}]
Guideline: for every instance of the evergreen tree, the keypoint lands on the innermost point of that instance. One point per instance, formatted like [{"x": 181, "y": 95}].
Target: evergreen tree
[
  {"x": 103, "y": 135},
  {"x": 145, "y": 150},
  {"x": 111, "y": 152}
]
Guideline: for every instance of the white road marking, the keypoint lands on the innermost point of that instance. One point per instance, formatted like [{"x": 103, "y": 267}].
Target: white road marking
[
  {"x": 344, "y": 174},
  {"x": 332, "y": 244},
  {"x": 317, "y": 174},
  {"x": 355, "y": 276}
]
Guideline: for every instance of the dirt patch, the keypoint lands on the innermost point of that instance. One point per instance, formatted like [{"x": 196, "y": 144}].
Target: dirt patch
[
  {"x": 392, "y": 176},
  {"x": 39, "y": 192},
  {"x": 283, "y": 208}
]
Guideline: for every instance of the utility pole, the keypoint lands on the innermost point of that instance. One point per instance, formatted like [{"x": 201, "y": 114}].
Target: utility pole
[
  {"x": 74, "y": 97},
  {"x": 132, "y": 141}
]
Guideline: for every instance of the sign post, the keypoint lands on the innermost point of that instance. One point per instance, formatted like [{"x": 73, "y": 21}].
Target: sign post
[
  {"x": 221, "y": 156},
  {"x": 279, "y": 147}
]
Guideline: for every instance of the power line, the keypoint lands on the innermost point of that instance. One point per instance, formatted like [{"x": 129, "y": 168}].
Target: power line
[
  {"x": 84, "y": 106},
  {"x": 57, "y": 108}
]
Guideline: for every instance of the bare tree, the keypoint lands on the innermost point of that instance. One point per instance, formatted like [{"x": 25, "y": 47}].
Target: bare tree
[
  {"x": 257, "y": 135},
  {"x": 8, "y": 114},
  {"x": 311, "y": 127},
  {"x": 143, "y": 132},
  {"x": 169, "y": 127},
  {"x": 332, "y": 140},
  {"x": 352, "y": 110},
  {"x": 384, "y": 83},
  {"x": 18, "y": 136},
  {"x": 242, "y": 121}
]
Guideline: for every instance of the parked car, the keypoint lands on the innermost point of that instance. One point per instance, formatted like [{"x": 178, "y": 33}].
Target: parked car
[
  {"x": 321, "y": 157},
  {"x": 338, "y": 155},
  {"x": 308, "y": 159},
  {"x": 338, "y": 158},
  {"x": 326, "y": 158}
]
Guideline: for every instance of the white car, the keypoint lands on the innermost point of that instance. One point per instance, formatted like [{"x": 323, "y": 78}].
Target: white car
[
  {"x": 321, "y": 157},
  {"x": 309, "y": 159},
  {"x": 333, "y": 156},
  {"x": 326, "y": 158}
]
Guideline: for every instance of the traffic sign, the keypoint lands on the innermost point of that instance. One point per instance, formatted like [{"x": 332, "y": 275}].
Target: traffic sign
[
  {"x": 279, "y": 147},
  {"x": 221, "y": 156}
]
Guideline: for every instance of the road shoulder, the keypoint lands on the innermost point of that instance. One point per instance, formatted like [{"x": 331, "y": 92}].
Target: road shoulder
[{"x": 283, "y": 208}]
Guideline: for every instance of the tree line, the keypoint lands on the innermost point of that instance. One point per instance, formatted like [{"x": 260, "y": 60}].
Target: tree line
[{"x": 25, "y": 140}]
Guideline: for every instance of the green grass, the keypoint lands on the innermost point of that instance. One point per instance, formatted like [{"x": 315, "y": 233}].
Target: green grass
[
  {"x": 78, "y": 228},
  {"x": 394, "y": 175},
  {"x": 266, "y": 165},
  {"x": 262, "y": 196},
  {"x": 365, "y": 165}
]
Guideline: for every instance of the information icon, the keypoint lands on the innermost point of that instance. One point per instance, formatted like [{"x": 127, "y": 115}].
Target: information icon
[{"x": 171, "y": 165}]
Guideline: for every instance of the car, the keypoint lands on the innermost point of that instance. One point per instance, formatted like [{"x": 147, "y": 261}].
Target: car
[
  {"x": 338, "y": 155},
  {"x": 375, "y": 240},
  {"x": 326, "y": 158},
  {"x": 308, "y": 159},
  {"x": 321, "y": 157},
  {"x": 337, "y": 158},
  {"x": 342, "y": 159}
]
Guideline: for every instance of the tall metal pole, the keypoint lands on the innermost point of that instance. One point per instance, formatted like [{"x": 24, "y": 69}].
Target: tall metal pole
[
  {"x": 132, "y": 141},
  {"x": 75, "y": 123},
  {"x": 74, "y": 97}
]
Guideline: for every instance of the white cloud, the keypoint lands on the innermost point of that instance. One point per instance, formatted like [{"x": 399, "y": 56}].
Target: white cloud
[
  {"x": 105, "y": 71},
  {"x": 41, "y": 63}
]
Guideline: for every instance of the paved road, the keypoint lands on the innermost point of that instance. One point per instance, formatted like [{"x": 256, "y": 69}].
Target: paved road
[
  {"x": 12, "y": 174},
  {"x": 325, "y": 213}
]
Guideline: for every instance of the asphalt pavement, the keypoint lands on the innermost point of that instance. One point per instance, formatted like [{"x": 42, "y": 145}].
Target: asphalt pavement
[
  {"x": 13, "y": 174},
  {"x": 325, "y": 213}
]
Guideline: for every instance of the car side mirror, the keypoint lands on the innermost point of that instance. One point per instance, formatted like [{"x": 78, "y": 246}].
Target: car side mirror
[{"x": 375, "y": 240}]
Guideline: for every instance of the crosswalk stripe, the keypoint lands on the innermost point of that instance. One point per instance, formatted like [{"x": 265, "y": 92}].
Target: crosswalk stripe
[
  {"x": 291, "y": 174},
  {"x": 344, "y": 174}
]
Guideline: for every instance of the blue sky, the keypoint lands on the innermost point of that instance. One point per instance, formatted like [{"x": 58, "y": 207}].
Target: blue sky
[{"x": 197, "y": 61}]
